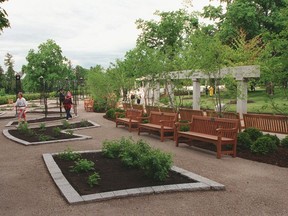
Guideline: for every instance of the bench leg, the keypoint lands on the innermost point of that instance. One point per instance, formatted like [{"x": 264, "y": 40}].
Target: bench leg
[
  {"x": 234, "y": 150},
  {"x": 219, "y": 149}
]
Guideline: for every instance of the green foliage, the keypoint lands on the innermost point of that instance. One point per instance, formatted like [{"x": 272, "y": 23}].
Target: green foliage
[
  {"x": 83, "y": 165},
  {"x": 47, "y": 62},
  {"x": 70, "y": 132},
  {"x": 68, "y": 154},
  {"x": 284, "y": 142},
  {"x": 93, "y": 179},
  {"x": 84, "y": 123},
  {"x": 43, "y": 137},
  {"x": 56, "y": 131},
  {"x": 156, "y": 164},
  {"x": 263, "y": 145},
  {"x": 23, "y": 127},
  {"x": 66, "y": 124},
  {"x": 274, "y": 138},
  {"x": 111, "y": 113},
  {"x": 244, "y": 140},
  {"x": 254, "y": 133},
  {"x": 42, "y": 127}
]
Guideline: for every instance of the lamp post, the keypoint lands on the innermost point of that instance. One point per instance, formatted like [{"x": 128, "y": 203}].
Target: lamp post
[
  {"x": 43, "y": 95},
  {"x": 17, "y": 86}
]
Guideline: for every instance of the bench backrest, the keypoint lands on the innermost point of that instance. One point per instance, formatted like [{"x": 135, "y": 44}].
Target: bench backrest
[
  {"x": 186, "y": 114},
  {"x": 156, "y": 117},
  {"x": 126, "y": 105},
  {"x": 167, "y": 109},
  {"x": 138, "y": 106},
  {"x": 134, "y": 114},
  {"x": 229, "y": 115},
  {"x": 208, "y": 125},
  {"x": 268, "y": 123},
  {"x": 151, "y": 108}
]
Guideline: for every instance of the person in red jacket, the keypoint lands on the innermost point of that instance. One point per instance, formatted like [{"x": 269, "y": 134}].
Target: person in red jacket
[{"x": 67, "y": 103}]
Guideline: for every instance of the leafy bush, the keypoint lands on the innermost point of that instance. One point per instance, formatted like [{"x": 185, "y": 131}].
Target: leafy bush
[
  {"x": 66, "y": 124},
  {"x": 111, "y": 113},
  {"x": 156, "y": 164},
  {"x": 56, "y": 131},
  {"x": 93, "y": 179},
  {"x": 264, "y": 145},
  {"x": 274, "y": 138},
  {"x": 84, "y": 123},
  {"x": 284, "y": 142},
  {"x": 254, "y": 133},
  {"x": 83, "y": 165},
  {"x": 23, "y": 127},
  {"x": 42, "y": 127},
  {"x": 100, "y": 105},
  {"x": 43, "y": 137},
  {"x": 244, "y": 140},
  {"x": 68, "y": 154}
]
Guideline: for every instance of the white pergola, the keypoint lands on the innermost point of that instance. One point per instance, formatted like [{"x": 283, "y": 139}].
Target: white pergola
[{"x": 240, "y": 73}]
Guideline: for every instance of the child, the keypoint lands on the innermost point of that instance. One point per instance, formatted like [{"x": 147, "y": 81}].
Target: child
[
  {"x": 67, "y": 103},
  {"x": 21, "y": 104}
]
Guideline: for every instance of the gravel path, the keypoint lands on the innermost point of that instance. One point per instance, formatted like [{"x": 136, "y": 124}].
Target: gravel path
[{"x": 252, "y": 188}]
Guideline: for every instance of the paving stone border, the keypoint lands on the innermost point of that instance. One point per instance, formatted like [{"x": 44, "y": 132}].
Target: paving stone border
[
  {"x": 73, "y": 197},
  {"x": 79, "y": 136}
]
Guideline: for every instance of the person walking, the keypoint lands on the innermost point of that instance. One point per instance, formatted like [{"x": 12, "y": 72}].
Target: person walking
[
  {"x": 21, "y": 105},
  {"x": 67, "y": 103}
]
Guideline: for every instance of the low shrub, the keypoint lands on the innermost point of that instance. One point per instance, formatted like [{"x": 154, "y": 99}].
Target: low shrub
[
  {"x": 156, "y": 164},
  {"x": 263, "y": 145},
  {"x": 68, "y": 154},
  {"x": 42, "y": 127},
  {"x": 111, "y": 113},
  {"x": 93, "y": 179},
  {"x": 83, "y": 165},
  {"x": 84, "y": 123},
  {"x": 274, "y": 138},
  {"x": 244, "y": 140},
  {"x": 254, "y": 133},
  {"x": 66, "y": 124},
  {"x": 43, "y": 137},
  {"x": 56, "y": 131},
  {"x": 284, "y": 142}
]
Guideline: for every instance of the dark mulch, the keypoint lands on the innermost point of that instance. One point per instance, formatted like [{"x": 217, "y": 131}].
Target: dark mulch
[
  {"x": 47, "y": 132},
  {"x": 114, "y": 175},
  {"x": 44, "y": 119},
  {"x": 278, "y": 158}
]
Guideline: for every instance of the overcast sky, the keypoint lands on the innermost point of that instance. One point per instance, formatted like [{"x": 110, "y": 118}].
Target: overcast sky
[{"x": 89, "y": 32}]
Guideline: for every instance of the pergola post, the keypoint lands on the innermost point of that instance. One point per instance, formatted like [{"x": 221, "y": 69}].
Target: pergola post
[
  {"x": 196, "y": 94},
  {"x": 242, "y": 95}
]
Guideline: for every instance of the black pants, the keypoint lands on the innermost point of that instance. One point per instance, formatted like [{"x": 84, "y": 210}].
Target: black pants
[{"x": 68, "y": 114}]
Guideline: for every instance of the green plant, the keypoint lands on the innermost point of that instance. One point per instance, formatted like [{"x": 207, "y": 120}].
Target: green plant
[
  {"x": 113, "y": 148},
  {"x": 156, "y": 164},
  {"x": 84, "y": 123},
  {"x": 274, "y": 138},
  {"x": 56, "y": 131},
  {"x": 284, "y": 142},
  {"x": 93, "y": 179},
  {"x": 83, "y": 165},
  {"x": 68, "y": 154},
  {"x": 70, "y": 132},
  {"x": 42, "y": 126},
  {"x": 23, "y": 127},
  {"x": 43, "y": 137},
  {"x": 66, "y": 124},
  {"x": 254, "y": 133},
  {"x": 244, "y": 140},
  {"x": 263, "y": 145}
]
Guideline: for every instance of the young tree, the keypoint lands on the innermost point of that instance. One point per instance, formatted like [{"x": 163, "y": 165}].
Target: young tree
[
  {"x": 47, "y": 62},
  {"x": 10, "y": 74},
  {"x": 4, "y": 22}
]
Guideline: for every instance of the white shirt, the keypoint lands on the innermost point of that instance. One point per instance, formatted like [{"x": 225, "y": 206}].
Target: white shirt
[{"x": 21, "y": 102}]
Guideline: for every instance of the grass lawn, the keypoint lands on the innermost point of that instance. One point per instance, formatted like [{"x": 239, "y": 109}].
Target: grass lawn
[{"x": 258, "y": 101}]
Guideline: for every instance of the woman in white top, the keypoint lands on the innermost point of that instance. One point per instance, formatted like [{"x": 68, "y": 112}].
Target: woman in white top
[{"x": 21, "y": 105}]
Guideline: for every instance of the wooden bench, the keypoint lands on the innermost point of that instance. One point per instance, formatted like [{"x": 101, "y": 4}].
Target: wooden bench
[
  {"x": 219, "y": 131},
  {"x": 160, "y": 122},
  {"x": 168, "y": 109},
  {"x": 186, "y": 114},
  {"x": 138, "y": 106},
  {"x": 89, "y": 105},
  {"x": 228, "y": 115},
  {"x": 132, "y": 118},
  {"x": 267, "y": 123},
  {"x": 149, "y": 108},
  {"x": 126, "y": 105}
]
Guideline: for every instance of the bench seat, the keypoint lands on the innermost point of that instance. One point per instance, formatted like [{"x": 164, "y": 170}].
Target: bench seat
[{"x": 132, "y": 118}]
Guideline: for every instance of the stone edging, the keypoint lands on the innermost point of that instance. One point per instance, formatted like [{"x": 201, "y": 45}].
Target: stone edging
[{"x": 73, "y": 197}]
